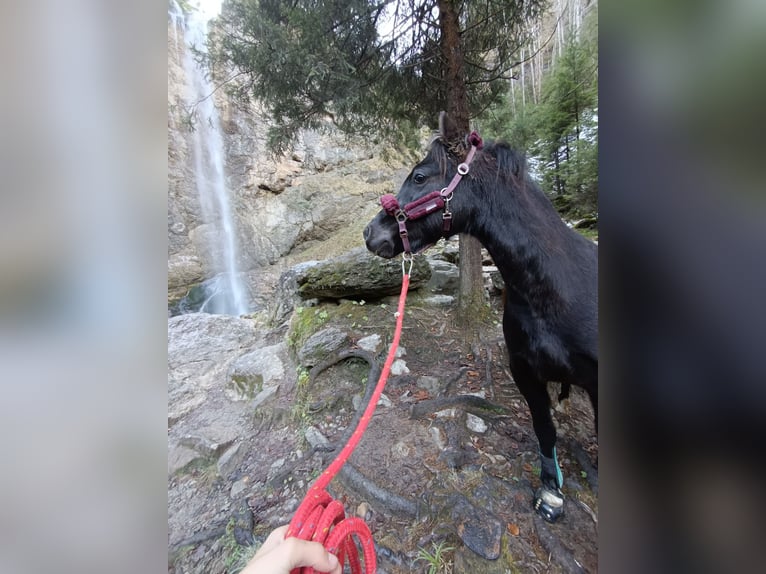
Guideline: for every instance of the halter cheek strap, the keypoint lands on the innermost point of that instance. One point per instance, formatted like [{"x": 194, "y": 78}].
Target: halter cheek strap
[{"x": 431, "y": 201}]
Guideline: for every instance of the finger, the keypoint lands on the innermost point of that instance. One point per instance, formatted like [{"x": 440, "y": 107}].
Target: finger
[
  {"x": 304, "y": 553},
  {"x": 276, "y": 537}
]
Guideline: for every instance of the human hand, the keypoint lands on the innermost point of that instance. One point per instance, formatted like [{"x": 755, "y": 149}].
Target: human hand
[{"x": 280, "y": 556}]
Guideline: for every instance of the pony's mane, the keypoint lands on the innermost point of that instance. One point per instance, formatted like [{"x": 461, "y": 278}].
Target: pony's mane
[{"x": 498, "y": 156}]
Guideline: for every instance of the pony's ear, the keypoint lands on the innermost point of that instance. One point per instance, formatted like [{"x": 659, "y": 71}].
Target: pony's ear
[{"x": 448, "y": 131}]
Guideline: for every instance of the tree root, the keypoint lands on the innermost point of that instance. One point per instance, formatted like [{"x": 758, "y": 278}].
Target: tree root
[
  {"x": 372, "y": 381},
  {"x": 204, "y": 536},
  {"x": 359, "y": 483},
  {"x": 472, "y": 404},
  {"x": 448, "y": 386},
  {"x": 350, "y": 476},
  {"x": 583, "y": 460}
]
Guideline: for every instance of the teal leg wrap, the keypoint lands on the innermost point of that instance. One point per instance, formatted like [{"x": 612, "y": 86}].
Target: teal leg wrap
[{"x": 549, "y": 467}]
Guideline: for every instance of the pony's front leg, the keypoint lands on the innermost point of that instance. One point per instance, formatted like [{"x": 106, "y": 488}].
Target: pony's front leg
[{"x": 548, "y": 500}]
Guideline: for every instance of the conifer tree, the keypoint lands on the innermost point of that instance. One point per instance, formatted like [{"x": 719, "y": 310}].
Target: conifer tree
[{"x": 375, "y": 67}]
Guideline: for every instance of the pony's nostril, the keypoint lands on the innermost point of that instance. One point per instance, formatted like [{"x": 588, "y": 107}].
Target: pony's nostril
[{"x": 366, "y": 232}]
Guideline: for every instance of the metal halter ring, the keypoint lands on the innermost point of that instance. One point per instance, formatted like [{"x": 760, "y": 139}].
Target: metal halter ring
[
  {"x": 407, "y": 258},
  {"x": 462, "y": 169}
]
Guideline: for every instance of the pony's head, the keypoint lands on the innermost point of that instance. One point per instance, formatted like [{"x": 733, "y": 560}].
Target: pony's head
[{"x": 429, "y": 203}]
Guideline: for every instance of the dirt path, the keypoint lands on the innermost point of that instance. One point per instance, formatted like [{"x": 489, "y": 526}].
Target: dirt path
[{"x": 450, "y": 456}]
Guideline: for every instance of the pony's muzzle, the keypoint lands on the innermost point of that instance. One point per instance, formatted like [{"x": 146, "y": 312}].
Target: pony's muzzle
[{"x": 379, "y": 241}]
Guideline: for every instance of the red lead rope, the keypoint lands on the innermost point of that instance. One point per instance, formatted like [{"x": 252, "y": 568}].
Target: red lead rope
[{"x": 321, "y": 519}]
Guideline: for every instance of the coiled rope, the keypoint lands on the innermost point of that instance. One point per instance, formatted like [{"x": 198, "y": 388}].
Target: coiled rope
[{"x": 319, "y": 517}]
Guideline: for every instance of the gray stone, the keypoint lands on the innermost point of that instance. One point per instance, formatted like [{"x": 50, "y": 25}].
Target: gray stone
[
  {"x": 360, "y": 273},
  {"x": 263, "y": 396},
  {"x": 495, "y": 280},
  {"x": 370, "y": 343},
  {"x": 238, "y": 488},
  {"x": 430, "y": 384},
  {"x": 203, "y": 445},
  {"x": 399, "y": 367},
  {"x": 384, "y": 401},
  {"x": 438, "y": 436},
  {"x": 439, "y": 300},
  {"x": 230, "y": 460},
  {"x": 474, "y": 423},
  {"x": 478, "y": 529},
  {"x": 199, "y": 337},
  {"x": 286, "y": 296},
  {"x": 444, "y": 276},
  {"x": 315, "y": 438},
  {"x": 252, "y": 371},
  {"x": 200, "y": 349},
  {"x": 451, "y": 251},
  {"x": 181, "y": 456},
  {"x": 320, "y": 344}
]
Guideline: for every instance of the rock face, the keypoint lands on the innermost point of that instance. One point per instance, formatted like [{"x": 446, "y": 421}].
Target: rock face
[
  {"x": 255, "y": 372},
  {"x": 325, "y": 183},
  {"x": 359, "y": 273},
  {"x": 200, "y": 348}
]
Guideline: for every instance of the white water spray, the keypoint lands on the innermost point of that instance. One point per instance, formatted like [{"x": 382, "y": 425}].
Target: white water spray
[{"x": 209, "y": 174}]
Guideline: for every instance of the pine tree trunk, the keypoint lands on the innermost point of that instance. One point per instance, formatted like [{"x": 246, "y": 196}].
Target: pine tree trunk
[{"x": 471, "y": 289}]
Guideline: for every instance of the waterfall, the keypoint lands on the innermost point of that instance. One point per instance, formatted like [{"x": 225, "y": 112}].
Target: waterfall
[{"x": 209, "y": 168}]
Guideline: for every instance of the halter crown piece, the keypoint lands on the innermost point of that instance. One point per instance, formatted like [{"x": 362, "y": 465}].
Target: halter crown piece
[{"x": 431, "y": 201}]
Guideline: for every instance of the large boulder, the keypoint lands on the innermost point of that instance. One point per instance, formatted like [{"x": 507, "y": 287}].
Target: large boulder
[
  {"x": 359, "y": 273},
  {"x": 321, "y": 344}
]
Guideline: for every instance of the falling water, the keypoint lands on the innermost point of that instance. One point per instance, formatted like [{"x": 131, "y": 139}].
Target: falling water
[{"x": 210, "y": 178}]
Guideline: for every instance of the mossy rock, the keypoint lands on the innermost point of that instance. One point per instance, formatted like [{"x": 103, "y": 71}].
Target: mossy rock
[{"x": 359, "y": 273}]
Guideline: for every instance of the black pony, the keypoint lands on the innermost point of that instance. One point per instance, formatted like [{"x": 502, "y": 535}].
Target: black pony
[{"x": 550, "y": 321}]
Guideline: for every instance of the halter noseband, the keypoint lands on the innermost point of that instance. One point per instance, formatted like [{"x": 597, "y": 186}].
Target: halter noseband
[{"x": 431, "y": 201}]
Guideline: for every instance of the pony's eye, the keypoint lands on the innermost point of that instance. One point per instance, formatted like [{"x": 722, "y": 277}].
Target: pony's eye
[{"x": 419, "y": 178}]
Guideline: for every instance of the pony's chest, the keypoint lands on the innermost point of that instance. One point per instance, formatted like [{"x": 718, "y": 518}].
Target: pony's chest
[{"x": 537, "y": 343}]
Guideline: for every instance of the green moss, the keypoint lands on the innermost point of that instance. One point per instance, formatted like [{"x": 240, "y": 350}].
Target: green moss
[
  {"x": 204, "y": 469},
  {"x": 506, "y": 555},
  {"x": 247, "y": 385},
  {"x": 304, "y": 323},
  {"x": 591, "y": 234},
  {"x": 300, "y": 410}
]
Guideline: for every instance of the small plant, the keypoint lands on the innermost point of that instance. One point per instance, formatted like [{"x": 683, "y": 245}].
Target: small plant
[
  {"x": 437, "y": 561},
  {"x": 236, "y": 556},
  {"x": 301, "y": 406}
]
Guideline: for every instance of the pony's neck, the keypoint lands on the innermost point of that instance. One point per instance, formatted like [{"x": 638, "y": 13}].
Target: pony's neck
[{"x": 528, "y": 243}]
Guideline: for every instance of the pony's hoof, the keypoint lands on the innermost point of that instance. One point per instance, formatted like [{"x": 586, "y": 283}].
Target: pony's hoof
[{"x": 549, "y": 503}]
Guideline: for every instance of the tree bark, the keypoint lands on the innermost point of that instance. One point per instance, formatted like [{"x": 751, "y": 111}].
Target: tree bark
[{"x": 470, "y": 290}]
